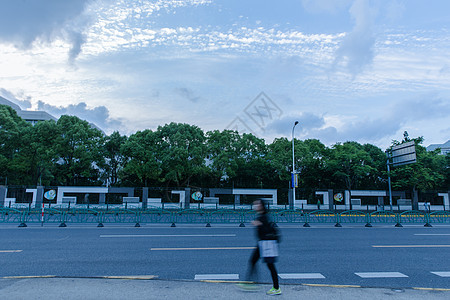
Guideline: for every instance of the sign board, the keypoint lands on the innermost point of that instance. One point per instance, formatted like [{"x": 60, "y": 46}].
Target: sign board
[
  {"x": 294, "y": 180},
  {"x": 403, "y": 154}
]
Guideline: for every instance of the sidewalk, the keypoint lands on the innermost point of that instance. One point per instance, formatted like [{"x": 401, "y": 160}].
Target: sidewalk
[{"x": 89, "y": 288}]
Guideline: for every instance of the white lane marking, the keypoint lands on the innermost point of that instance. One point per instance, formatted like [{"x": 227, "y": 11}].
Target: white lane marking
[
  {"x": 301, "y": 276},
  {"x": 442, "y": 274},
  {"x": 431, "y": 233},
  {"x": 411, "y": 246},
  {"x": 204, "y": 248},
  {"x": 216, "y": 276},
  {"x": 10, "y": 251},
  {"x": 164, "y": 235},
  {"x": 381, "y": 275}
]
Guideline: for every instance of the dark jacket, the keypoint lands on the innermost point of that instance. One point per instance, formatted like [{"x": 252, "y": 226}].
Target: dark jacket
[{"x": 265, "y": 230}]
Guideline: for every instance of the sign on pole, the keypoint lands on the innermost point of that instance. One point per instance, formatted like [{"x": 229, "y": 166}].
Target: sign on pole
[
  {"x": 294, "y": 180},
  {"x": 403, "y": 154}
]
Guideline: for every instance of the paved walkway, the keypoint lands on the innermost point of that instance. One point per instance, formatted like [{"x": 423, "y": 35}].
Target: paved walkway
[{"x": 93, "y": 288}]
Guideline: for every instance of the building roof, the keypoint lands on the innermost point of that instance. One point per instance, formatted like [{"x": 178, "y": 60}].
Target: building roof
[
  {"x": 445, "y": 148},
  {"x": 32, "y": 116},
  {"x": 9, "y": 103}
]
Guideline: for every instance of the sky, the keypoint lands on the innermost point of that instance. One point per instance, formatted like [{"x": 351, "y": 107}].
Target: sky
[{"x": 346, "y": 70}]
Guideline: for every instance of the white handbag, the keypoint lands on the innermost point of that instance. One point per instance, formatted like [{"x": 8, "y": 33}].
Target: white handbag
[{"x": 268, "y": 248}]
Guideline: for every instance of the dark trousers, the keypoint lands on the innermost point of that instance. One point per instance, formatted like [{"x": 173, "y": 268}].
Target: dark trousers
[{"x": 252, "y": 268}]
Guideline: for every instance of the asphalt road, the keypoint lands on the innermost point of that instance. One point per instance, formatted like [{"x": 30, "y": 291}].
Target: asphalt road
[{"x": 370, "y": 257}]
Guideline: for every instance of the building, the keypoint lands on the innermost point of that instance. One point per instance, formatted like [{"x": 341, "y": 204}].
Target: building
[
  {"x": 28, "y": 115},
  {"x": 445, "y": 148}
]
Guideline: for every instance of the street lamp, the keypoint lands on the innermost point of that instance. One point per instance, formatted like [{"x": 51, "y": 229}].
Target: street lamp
[{"x": 293, "y": 166}]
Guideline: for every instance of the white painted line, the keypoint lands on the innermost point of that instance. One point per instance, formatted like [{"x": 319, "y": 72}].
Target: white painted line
[
  {"x": 442, "y": 274},
  {"x": 411, "y": 246},
  {"x": 432, "y": 234},
  {"x": 381, "y": 275},
  {"x": 216, "y": 276},
  {"x": 10, "y": 251},
  {"x": 163, "y": 235},
  {"x": 203, "y": 248},
  {"x": 301, "y": 276}
]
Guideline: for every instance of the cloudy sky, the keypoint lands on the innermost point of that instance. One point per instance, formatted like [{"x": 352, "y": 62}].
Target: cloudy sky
[{"x": 345, "y": 69}]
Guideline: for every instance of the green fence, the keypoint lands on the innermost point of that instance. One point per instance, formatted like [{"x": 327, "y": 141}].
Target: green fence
[{"x": 65, "y": 217}]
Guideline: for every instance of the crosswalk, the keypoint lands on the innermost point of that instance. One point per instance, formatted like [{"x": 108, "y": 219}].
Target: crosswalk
[{"x": 364, "y": 275}]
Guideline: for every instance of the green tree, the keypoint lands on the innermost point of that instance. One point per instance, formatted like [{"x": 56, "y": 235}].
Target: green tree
[
  {"x": 222, "y": 155},
  {"x": 377, "y": 178},
  {"x": 77, "y": 147},
  {"x": 310, "y": 161},
  {"x": 115, "y": 160},
  {"x": 182, "y": 153},
  {"x": 38, "y": 156},
  {"x": 254, "y": 169},
  {"x": 12, "y": 129},
  {"x": 428, "y": 173},
  {"x": 350, "y": 164},
  {"x": 142, "y": 166}
]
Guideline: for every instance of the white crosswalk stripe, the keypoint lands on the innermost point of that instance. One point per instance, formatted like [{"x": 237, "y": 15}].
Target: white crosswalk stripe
[
  {"x": 301, "y": 276},
  {"x": 216, "y": 276},
  {"x": 442, "y": 274},
  {"x": 381, "y": 274}
]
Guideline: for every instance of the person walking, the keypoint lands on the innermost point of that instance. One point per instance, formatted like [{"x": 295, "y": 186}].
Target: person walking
[{"x": 267, "y": 248}]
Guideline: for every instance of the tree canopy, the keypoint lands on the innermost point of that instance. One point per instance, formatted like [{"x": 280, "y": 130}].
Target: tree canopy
[{"x": 72, "y": 152}]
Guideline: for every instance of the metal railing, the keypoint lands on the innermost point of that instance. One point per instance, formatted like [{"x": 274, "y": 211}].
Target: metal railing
[{"x": 241, "y": 216}]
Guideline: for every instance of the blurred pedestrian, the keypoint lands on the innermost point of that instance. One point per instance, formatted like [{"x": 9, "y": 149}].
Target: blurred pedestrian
[{"x": 267, "y": 248}]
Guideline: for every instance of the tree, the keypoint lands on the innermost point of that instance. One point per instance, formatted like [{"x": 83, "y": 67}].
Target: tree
[
  {"x": 222, "y": 155},
  {"x": 12, "y": 128},
  {"x": 38, "y": 156},
  {"x": 115, "y": 160},
  {"x": 182, "y": 153},
  {"x": 310, "y": 161},
  {"x": 350, "y": 163},
  {"x": 377, "y": 178},
  {"x": 77, "y": 147},
  {"x": 253, "y": 166},
  {"x": 426, "y": 174},
  {"x": 142, "y": 166}
]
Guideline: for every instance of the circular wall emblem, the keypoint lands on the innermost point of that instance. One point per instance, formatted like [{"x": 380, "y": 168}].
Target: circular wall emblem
[
  {"x": 197, "y": 196},
  {"x": 338, "y": 197},
  {"x": 50, "y": 195}
]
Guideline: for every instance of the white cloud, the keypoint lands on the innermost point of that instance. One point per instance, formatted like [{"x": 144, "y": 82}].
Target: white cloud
[
  {"x": 328, "y": 6},
  {"x": 97, "y": 115},
  {"x": 356, "y": 49},
  {"x": 24, "y": 23}
]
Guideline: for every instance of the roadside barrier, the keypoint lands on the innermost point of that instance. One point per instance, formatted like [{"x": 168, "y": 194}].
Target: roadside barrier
[
  {"x": 383, "y": 217},
  {"x": 322, "y": 216},
  {"x": 65, "y": 216}
]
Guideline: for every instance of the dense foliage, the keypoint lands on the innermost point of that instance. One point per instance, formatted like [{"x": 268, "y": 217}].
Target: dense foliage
[{"x": 72, "y": 152}]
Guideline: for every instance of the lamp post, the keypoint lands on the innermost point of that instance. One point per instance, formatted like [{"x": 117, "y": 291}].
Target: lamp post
[{"x": 293, "y": 166}]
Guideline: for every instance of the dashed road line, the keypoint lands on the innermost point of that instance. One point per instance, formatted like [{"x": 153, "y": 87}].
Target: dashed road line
[
  {"x": 301, "y": 276},
  {"x": 10, "y": 251},
  {"x": 442, "y": 274},
  {"x": 163, "y": 235},
  {"x": 216, "y": 276},
  {"x": 411, "y": 246},
  {"x": 332, "y": 285},
  {"x": 29, "y": 277},
  {"x": 381, "y": 274},
  {"x": 432, "y": 234},
  {"x": 127, "y": 277},
  {"x": 137, "y": 277},
  {"x": 430, "y": 289},
  {"x": 203, "y": 248}
]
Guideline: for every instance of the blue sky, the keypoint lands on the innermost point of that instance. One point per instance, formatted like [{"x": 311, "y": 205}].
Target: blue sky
[{"x": 346, "y": 70}]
